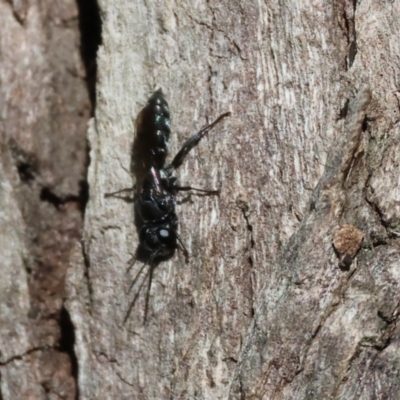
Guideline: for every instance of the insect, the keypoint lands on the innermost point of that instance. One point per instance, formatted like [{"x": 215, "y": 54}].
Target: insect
[{"x": 157, "y": 188}]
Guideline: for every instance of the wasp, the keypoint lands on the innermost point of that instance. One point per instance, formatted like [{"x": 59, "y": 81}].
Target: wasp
[{"x": 157, "y": 187}]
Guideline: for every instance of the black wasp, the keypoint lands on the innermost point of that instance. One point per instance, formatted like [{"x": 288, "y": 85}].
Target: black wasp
[{"x": 156, "y": 187}]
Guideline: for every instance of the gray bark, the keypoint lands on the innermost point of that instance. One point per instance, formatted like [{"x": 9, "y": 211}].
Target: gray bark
[
  {"x": 286, "y": 71},
  {"x": 266, "y": 308},
  {"x": 44, "y": 109}
]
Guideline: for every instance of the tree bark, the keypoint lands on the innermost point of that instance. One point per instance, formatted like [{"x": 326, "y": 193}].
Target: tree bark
[
  {"x": 44, "y": 109},
  {"x": 280, "y": 299},
  {"x": 262, "y": 309}
]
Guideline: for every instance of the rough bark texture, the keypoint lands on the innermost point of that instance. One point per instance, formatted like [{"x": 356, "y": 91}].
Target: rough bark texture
[
  {"x": 266, "y": 308},
  {"x": 44, "y": 109},
  {"x": 262, "y": 309}
]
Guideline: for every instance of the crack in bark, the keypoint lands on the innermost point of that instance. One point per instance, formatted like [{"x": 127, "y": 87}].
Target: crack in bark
[
  {"x": 67, "y": 344},
  {"x": 379, "y": 213},
  {"x": 24, "y": 354},
  {"x": 214, "y": 27},
  {"x": 89, "y": 285},
  {"x": 351, "y": 35},
  {"x": 388, "y": 332},
  {"x": 123, "y": 380},
  {"x": 101, "y": 354},
  {"x": 25, "y": 162},
  {"x": 91, "y": 31},
  {"x": 364, "y": 344},
  {"x": 342, "y": 153},
  {"x": 377, "y": 150},
  {"x": 244, "y": 207},
  {"x": 19, "y": 10},
  {"x": 47, "y": 195},
  {"x": 376, "y": 210}
]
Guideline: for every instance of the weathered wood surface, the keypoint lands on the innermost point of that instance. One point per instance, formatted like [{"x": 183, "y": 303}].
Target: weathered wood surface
[
  {"x": 44, "y": 109},
  {"x": 286, "y": 71},
  {"x": 262, "y": 309}
]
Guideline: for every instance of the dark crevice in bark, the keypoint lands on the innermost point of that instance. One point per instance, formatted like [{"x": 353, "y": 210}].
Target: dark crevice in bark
[
  {"x": 364, "y": 126},
  {"x": 241, "y": 390},
  {"x": 245, "y": 211},
  {"x": 347, "y": 26},
  {"x": 26, "y": 353},
  {"x": 352, "y": 51},
  {"x": 25, "y": 172},
  {"x": 19, "y": 11},
  {"x": 231, "y": 359},
  {"x": 90, "y": 39},
  {"x": 48, "y": 196},
  {"x": 375, "y": 156},
  {"x": 83, "y": 194},
  {"x": 90, "y": 29},
  {"x": 124, "y": 380},
  {"x": 386, "y": 319},
  {"x": 353, "y": 45},
  {"x": 388, "y": 333},
  {"x": 378, "y": 212},
  {"x": 379, "y": 242},
  {"x": 344, "y": 110},
  {"x": 350, "y": 32},
  {"x": 67, "y": 343},
  {"x": 26, "y": 163},
  {"x": 389, "y": 234},
  {"x": 87, "y": 275},
  {"x": 353, "y": 39}
]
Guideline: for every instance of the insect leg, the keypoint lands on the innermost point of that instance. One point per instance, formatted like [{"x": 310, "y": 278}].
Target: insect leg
[
  {"x": 127, "y": 190},
  {"x": 137, "y": 294},
  {"x": 146, "y": 307},
  {"x": 187, "y": 188},
  {"x": 183, "y": 248},
  {"x": 191, "y": 143},
  {"x": 137, "y": 275}
]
